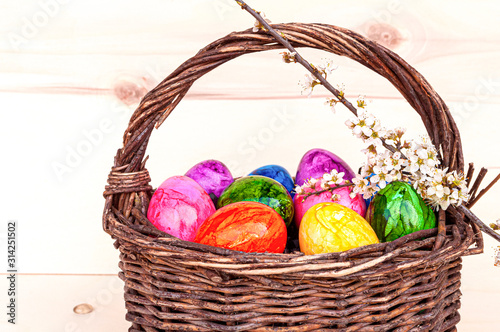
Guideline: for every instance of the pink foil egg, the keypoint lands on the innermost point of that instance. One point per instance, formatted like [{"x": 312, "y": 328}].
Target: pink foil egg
[
  {"x": 357, "y": 204},
  {"x": 179, "y": 206}
]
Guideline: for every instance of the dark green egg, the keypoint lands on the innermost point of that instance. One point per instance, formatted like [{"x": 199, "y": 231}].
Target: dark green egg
[
  {"x": 398, "y": 210},
  {"x": 260, "y": 189}
]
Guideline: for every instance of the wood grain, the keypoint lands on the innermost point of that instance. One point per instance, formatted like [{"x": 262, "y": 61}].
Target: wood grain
[
  {"x": 117, "y": 48},
  {"x": 92, "y": 61}
]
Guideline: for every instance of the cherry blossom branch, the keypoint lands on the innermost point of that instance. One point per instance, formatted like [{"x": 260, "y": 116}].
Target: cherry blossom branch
[
  {"x": 479, "y": 223},
  {"x": 434, "y": 184},
  {"x": 280, "y": 37},
  {"x": 309, "y": 194}
]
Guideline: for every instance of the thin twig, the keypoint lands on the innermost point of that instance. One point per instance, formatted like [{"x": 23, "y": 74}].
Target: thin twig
[
  {"x": 477, "y": 183},
  {"x": 479, "y": 223},
  {"x": 282, "y": 40},
  {"x": 470, "y": 173},
  {"x": 307, "y": 195},
  {"x": 280, "y": 37},
  {"x": 482, "y": 192}
]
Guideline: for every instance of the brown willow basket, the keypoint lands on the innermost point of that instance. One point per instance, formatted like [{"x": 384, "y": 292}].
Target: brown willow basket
[{"x": 410, "y": 284}]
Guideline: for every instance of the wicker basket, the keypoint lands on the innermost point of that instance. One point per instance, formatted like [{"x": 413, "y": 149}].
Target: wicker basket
[{"x": 411, "y": 284}]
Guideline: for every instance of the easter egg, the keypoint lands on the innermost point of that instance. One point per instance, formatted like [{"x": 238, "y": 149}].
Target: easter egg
[
  {"x": 179, "y": 206},
  {"x": 211, "y": 175},
  {"x": 244, "y": 226},
  {"x": 317, "y": 162},
  {"x": 260, "y": 189},
  {"x": 277, "y": 173},
  {"x": 398, "y": 210},
  {"x": 331, "y": 227},
  {"x": 340, "y": 196}
]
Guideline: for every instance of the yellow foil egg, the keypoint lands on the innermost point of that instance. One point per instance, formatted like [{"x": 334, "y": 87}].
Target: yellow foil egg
[{"x": 331, "y": 227}]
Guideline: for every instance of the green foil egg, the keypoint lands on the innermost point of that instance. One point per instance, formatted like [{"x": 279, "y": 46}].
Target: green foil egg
[
  {"x": 260, "y": 189},
  {"x": 398, "y": 210}
]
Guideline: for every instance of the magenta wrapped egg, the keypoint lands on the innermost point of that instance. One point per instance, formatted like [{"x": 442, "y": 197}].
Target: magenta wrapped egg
[
  {"x": 357, "y": 204},
  {"x": 211, "y": 175},
  {"x": 317, "y": 162},
  {"x": 179, "y": 206}
]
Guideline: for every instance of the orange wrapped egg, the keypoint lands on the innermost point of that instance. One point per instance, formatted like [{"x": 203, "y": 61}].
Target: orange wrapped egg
[
  {"x": 331, "y": 227},
  {"x": 244, "y": 226}
]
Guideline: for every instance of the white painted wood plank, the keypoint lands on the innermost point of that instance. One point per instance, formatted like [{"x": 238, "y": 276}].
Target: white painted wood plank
[
  {"x": 46, "y": 302},
  {"x": 91, "y": 45},
  {"x": 60, "y": 92},
  {"x": 61, "y": 155}
]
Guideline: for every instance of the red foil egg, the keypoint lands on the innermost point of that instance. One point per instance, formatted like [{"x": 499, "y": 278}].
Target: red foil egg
[{"x": 244, "y": 226}]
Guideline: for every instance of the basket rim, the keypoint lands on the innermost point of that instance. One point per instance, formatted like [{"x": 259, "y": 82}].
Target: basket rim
[{"x": 419, "y": 248}]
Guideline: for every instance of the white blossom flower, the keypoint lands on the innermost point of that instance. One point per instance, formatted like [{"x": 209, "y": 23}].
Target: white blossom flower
[
  {"x": 324, "y": 185},
  {"x": 357, "y": 131},
  {"x": 331, "y": 102},
  {"x": 360, "y": 181},
  {"x": 299, "y": 190},
  {"x": 366, "y": 131},
  {"x": 497, "y": 256},
  {"x": 369, "y": 191},
  {"x": 425, "y": 169},
  {"x": 412, "y": 161},
  {"x": 257, "y": 25},
  {"x": 361, "y": 102},
  {"x": 351, "y": 123},
  {"x": 308, "y": 84},
  {"x": 444, "y": 203},
  {"x": 360, "y": 184},
  {"x": 442, "y": 189},
  {"x": 369, "y": 120},
  {"x": 336, "y": 177},
  {"x": 288, "y": 57},
  {"x": 390, "y": 142},
  {"x": 396, "y": 162},
  {"x": 327, "y": 67},
  {"x": 422, "y": 153},
  {"x": 400, "y": 131},
  {"x": 327, "y": 177},
  {"x": 335, "y": 197},
  {"x": 396, "y": 175},
  {"x": 312, "y": 182}
]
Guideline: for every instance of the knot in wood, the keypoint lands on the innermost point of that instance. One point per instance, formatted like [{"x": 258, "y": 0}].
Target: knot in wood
[
  {"x": 129, "y": 92},
  {"x": 384, "y": 34}
]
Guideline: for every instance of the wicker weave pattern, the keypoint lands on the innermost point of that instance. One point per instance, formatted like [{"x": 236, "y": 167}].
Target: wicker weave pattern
[{"x": 411, "y": 284}]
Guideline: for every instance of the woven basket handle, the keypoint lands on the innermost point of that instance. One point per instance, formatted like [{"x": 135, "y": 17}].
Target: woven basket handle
[{"x": 160, "y": 102}]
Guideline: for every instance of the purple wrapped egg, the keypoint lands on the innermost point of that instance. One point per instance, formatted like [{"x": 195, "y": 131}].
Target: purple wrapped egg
[
  {"x": 317, "y": 162},
  {"x": 179, "y": 206},
  {"x": 211, "y": 175}
]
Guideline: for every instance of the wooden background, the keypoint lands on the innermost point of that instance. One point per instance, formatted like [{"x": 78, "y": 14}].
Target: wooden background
[{"x": 72, "y": 72}]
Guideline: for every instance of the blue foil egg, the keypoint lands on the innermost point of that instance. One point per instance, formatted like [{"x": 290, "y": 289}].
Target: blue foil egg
[{"x": 277, "y": 173}]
